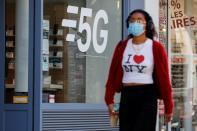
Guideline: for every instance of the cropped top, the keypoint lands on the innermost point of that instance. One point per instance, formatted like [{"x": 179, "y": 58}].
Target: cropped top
[{"x": 137, "y": 63}]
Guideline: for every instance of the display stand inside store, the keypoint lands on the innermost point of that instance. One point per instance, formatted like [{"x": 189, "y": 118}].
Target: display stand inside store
[{"x": 54, "y": 55}]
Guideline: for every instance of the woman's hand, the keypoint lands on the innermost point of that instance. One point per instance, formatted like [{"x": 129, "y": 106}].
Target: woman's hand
[
  {"x": 111, "y": 110},
  {"x": 168, "y": 117}
]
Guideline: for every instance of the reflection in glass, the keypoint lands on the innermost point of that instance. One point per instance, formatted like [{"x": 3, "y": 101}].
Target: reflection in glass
[
  {"x": 183, "y": 56},
  {"x": 73, "y": 72},
  {"x": 16, "y": 57}
]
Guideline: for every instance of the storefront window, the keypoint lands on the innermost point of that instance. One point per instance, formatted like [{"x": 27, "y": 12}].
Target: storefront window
[
  {"x": 16, "y": 57},
  {"x": 79, "y": 38},
  {"x": 163, "y": 38},
  {"x": 183, "y": 55}
]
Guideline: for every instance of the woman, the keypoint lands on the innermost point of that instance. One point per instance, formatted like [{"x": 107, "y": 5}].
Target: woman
[{"x": 139, "y": 70}]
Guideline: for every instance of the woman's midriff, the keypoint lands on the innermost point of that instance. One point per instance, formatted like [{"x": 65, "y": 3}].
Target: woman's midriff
[{"x": 133, "y": 84}]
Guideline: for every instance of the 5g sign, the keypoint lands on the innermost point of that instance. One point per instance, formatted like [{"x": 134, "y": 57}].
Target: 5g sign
[{"x": 85, "y": 26}]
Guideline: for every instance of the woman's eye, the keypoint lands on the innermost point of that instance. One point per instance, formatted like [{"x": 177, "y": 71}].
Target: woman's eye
[{"x": 138, "y": 21}]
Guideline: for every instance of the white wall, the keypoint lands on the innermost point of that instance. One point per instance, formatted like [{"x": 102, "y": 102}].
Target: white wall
[{"x": 152, "y": 7}]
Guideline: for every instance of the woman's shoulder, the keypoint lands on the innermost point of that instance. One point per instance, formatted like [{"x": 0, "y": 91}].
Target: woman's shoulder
[
  {"x": 122, "y": 43},
  {"x": 159, "y": 49},
  {"x": 158, "y": 45}
]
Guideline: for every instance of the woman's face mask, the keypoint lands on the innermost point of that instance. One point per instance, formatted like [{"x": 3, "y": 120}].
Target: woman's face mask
[{"x": 136, "y": 28}]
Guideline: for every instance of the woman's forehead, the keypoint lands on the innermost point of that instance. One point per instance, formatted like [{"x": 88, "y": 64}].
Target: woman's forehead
[{"x": 137, "y": 15}]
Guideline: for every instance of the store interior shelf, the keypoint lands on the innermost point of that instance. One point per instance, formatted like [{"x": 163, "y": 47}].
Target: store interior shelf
[
  {"x": 9, "y": 86},
  {"x": 55, "y": 68},
  {"x": 10, "y": 57},
  {"x": 58, "y": 37},
  {"x": 56, "y": 48},
  {"x": 10, "y": 38},
  {"x": 52, "y": 87}
]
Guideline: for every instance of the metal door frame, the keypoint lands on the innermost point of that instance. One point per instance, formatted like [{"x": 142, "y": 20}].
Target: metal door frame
[
  {"x": 2, "y": 60},
  {"x": 37, "y": 65},
  {"x": 16, "y": 108}
]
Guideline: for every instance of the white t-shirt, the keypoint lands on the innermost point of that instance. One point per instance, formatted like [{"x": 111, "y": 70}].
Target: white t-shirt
[{"x": 137, "y": 62}]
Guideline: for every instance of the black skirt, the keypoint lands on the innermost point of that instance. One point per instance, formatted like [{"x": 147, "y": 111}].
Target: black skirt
[{"x": 138, "y": 108}]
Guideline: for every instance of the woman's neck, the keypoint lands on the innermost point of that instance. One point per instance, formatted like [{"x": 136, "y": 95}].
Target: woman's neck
[{"x": 139, "y": 39}]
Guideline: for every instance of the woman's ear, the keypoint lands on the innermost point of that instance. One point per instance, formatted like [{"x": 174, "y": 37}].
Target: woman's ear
[{"x": 150, "y": 24}]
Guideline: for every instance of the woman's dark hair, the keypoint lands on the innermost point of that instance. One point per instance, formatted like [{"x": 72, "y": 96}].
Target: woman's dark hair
[{"x": 150, "y": 28}]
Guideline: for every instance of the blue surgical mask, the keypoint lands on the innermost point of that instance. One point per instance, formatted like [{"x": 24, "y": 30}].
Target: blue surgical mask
[{"x": 136, "y": 29}]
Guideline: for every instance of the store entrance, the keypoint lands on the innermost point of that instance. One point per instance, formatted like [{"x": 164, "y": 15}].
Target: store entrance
[{"x": 16, "y": 68}]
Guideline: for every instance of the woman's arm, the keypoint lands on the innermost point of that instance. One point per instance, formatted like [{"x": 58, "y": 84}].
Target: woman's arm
[
  {"x": 165, "y": 83},
  {"x": 110, "y": 89}
]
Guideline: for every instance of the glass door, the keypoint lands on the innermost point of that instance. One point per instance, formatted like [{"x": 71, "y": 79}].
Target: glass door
[
  {"x": 183, "y": 58},
  {"x": 78, "y": 41}
]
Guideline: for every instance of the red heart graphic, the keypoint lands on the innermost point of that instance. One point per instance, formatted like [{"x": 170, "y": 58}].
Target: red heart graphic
[{"x": 138, "y": 58}]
